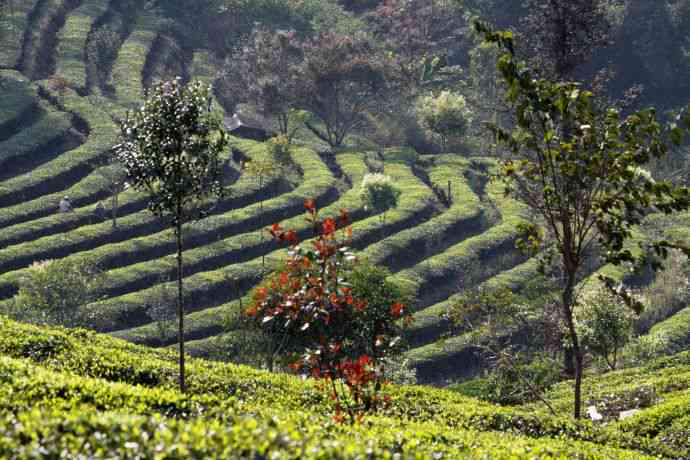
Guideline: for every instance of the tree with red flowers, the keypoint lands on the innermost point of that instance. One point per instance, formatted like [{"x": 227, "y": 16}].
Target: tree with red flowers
[{"x": 322, "y": 313}]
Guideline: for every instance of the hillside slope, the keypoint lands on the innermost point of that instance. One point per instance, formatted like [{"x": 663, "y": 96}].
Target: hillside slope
[
  {"x": 73, "y": 392},
  {"x": 61, "y": 100}
]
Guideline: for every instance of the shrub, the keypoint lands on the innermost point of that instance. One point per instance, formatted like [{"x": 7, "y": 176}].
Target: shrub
[
  {"x": 605, "y": 323},
  {"x": 323, "y": 311},
  {"x": 516, "y": 380},
  {"x": 379, "y": 194},
  {"x": 445, "y": 115},
  {"x": 52, "y": 291},
  {"x": 279, "y": 148}
]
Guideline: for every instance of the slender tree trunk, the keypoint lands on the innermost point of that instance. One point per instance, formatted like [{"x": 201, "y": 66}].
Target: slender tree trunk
[
  {"x": 261, "y": 223},
  {"x": 114, "y": 205},
  {"x": 180, "y": 307},
  {"x": 568, "y": 300},
  {"x": 568, "y": 361}
]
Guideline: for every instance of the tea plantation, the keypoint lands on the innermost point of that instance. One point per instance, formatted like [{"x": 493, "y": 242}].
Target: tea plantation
[
  {"x": 73, "y": 392},
  {"x": 111, "y": 392}
]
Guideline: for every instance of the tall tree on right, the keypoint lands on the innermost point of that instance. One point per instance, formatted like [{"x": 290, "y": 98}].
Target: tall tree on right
[{"x": 581, "y": 172}]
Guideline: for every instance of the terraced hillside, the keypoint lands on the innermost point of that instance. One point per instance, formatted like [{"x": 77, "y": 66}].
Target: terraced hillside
[{"x": 57, "y": 127}]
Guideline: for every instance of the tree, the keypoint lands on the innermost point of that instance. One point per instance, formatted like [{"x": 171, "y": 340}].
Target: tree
[
  {"x": 344, "y": 79},
  {"x": 561, "y": 35},
  {"x": 379, "y": 194},
  {"x": 171, "y": 149},
  {"x": 605, "y": 323},
  {"x": 115, "y": 176},
  {"x": 264, "y": 73},
  {"x": 581, "y": 174},
  {"x": 327, "y": 318},
  {"x": 445, "y": 115},
  {"x": 52, "y": 291},
  {"x": 262, "y": 170},
  {"x": 419, "y": 37}
]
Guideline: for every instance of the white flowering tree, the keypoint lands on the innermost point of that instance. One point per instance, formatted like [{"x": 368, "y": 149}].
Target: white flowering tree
[
  {"x": 172, "y": 149},
  {"x": 379, "y": 194},
  {"x": 445, "y": 115}
]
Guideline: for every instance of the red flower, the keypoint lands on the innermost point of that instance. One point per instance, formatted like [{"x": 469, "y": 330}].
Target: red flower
[
  {"x": 329, "y": 226},
  {"x": 310, "y": 205},
  {"x": 291, "y": 237},
  {"x": 364, "y": 360},
  {"x": 397, "y": 309},
  {"x": 344, "y": 217},
  {"x": 306, "y": 263},
  {"x": 283, "y": 278},
  {"x": 334, "y": 298},
  {"x": 260, "y": 294}
]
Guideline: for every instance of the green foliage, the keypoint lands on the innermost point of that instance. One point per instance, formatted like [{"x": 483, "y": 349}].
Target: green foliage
[
  {"x": 321, "y": 310},
  {"x": 519, "y": 379},
  {"x": 265, "y": 73},
  {"x": 605, "y": 324},
  {"x": 279, "y": 147},
  {"x": 379, "y": 194},
  {"x": 172, "y": 148},
  {"x": 344, "y": 78},
  {"x": 52, "y": 292},
  {"x": 581, "y": 171},
  {"x": 80, "y": 375},
  {"x": 102, "y": 51},
  {"x": 445, "y": 115}
]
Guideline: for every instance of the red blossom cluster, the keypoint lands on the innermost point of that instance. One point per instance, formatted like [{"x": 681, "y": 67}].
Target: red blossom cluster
[{"x": 312, "y": 311}]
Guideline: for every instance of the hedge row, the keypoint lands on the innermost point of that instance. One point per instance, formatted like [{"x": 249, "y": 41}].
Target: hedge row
[
  {"x": 430, "y": 322},
  {"x": 210, "y": 321},
  {"x": 18, "y": 104},
  {"x": 464, "y": 218},
  {"x": 100, "y": 238},
  {"x": 90, "y": 355},
  {"x": 128, "y": 69},
  {"x": 235, "y": 249},
  {"x": 71, "y": 51},
  {"x": 675, "y": 330},
  {"x": 211, "y": 288},
  {"x": 436, "y": 277},
  {"x": 65, "y": 170},
  {"x": 43, "y": 19},
  {"x": 15, "y": 22},
  {"x": 318, "y": 184},
  {"x": 40, "y": 139}
]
